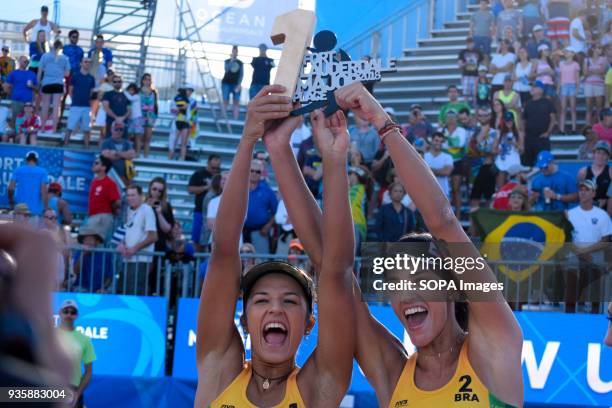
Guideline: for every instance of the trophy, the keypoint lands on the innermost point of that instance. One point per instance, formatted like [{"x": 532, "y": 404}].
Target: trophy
[{"x": 312, "y": 74}]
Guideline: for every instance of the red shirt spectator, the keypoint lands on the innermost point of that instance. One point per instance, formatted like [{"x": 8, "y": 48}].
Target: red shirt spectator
[
  {"x": 604, "y": 128},
  {"x": 517, "y": 177},
  {"x": 102, "y": 194}
]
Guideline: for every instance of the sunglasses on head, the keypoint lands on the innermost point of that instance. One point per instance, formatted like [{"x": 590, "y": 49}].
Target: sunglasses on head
[
  {"x": 256, "y": 171},
  {"x": 71, "y": 312},
  {"x": 5, "y": 50}
]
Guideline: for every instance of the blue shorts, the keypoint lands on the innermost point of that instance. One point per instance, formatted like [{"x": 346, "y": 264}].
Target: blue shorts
[
  {"x": 254, "y": 90},
  {"x": 196, "y": 227},
  {"x": 568, "y": 89},
  {"x": 229, "y": 89}
]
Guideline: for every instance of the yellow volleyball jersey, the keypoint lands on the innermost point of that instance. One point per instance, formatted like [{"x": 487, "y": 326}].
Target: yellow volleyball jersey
[
  {"x": 234, "y": 396},
  {"x": 464, "y": 390}
]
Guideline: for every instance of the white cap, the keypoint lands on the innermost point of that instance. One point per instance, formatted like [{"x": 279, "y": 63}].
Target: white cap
[
  {"x": 69, "y": 303},
  {"x": 543, "y": 47},
  {"x": 537, "y": 27}
]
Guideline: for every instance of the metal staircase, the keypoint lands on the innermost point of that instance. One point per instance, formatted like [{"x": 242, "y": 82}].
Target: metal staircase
[
  {"x": 192, "y": 47},
  {"x": 127, "y": 25}
]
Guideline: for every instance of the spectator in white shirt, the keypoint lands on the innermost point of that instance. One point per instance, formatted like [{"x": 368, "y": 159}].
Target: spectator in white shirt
[
  {"x": 440, "y": 163},
  {"x": 286, "y": 233},
  {"x": 592, "y": 232},
  {"x": 578, "y": 35},
  {"x": 135, "y": 123},
  {"x": 140, "y": 235}
]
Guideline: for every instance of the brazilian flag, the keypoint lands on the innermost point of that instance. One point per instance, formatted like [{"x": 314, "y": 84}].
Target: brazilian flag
[{"x": 521, "y": 236}]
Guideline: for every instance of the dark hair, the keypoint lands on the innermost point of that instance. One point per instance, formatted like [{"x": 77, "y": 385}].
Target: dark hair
[
  {"x": 134, "y": 187},
  {"x": 106, "y": 163},
  {"x": 164, "y": 196},
  {"x": 234, "y": 47},
  {"x": 100, "y": 37},
  {"x": 505, "y": 129},
  {"x": 438, "y": 134},
  {"x": 132, "y": 85},
  {"x": 57, "y": 44},
  {"x": 215, "y": 184},
  {"x": 461, "y": 308},
  {"x": 213, "y": 156},
  {"x": 73, "y": 32},
  {"x": 464, "y": 110},
  {"x": 494, "y": 114},
  {"x": 448, "y": 88}
]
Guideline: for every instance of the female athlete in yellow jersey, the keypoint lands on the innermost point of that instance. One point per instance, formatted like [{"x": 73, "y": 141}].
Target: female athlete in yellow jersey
[
  {"x": 478, "y": 365},
  {"x": 277, "y": 296}
]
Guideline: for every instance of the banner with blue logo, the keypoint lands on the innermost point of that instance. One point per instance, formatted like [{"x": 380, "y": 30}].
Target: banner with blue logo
[
  {"x": 71, "y": 169},
  {"x": 128, "y": 332},
  {"x": 242, "y": 22},
  {"x": 564, "y": 358}
]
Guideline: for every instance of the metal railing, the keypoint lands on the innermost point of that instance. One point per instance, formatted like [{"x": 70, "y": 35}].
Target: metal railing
[
  {"x": 388, "y": 39},
  {"x": 104, "y": 270}
]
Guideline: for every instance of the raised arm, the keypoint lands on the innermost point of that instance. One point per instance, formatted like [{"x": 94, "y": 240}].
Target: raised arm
[
  {"x": 333, "y": 357},
  {"x": 491, "y": 324},
  {"x": 303, "y": 210},
  {"x": 222, "y": 284}
]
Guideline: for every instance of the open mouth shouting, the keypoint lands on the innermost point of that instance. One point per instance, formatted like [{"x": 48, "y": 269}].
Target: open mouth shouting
[
  {"x": 415, "y": 316},
  {"x": 275, "y": 334}
]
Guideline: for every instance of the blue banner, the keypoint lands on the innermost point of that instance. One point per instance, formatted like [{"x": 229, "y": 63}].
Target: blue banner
[
  {"x": 71, "y": 169},
  {"x": 564, "y": 359},
  {"x": 242, "y": 22},
  {"x": 128, "y": 332}
]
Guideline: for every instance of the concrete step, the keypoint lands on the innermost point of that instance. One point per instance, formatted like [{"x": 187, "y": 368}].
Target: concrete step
[
  {"x": 451, "y": 32},
  {"x": 457, "y": 24},
  {"x": 407, "y": 61},
  {"x": 437, "y": 50},
  {"x": 442, "y": 41}
]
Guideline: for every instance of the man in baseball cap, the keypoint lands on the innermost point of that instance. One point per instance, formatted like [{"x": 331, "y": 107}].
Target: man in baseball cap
[
  {"x": 599, "y": 172},
  {"x": 78, "y": 346},
  {"x": 592, "y": 227},
  {"x": 517, "y": 177},
  {"x": 553, "y": 189},
  {"x": 537, "y": 40}
]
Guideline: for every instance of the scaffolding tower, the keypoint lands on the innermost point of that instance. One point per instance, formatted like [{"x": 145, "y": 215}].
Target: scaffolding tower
[
  {"x": 127, "y": 24},
  {"x": 191, "y": 47}
]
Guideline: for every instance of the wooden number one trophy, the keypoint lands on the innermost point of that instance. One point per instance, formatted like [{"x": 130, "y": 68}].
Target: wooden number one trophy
[{"x": 311, "y": 75}]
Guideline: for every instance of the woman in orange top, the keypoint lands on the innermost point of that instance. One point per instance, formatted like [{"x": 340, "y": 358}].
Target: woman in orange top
[
  {"x": 468, "y": 354},
  {"x": 277, "y": 296}
]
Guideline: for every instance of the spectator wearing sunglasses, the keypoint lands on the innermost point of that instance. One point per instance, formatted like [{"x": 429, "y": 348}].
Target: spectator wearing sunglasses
[
  {"x": 79, "y": 345},
  {"x": 200, "y": 184},
  {"x": 261, "y": 210},
  {"x": 118, "y": 150},
  {"x": 116, "y": 105}
]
